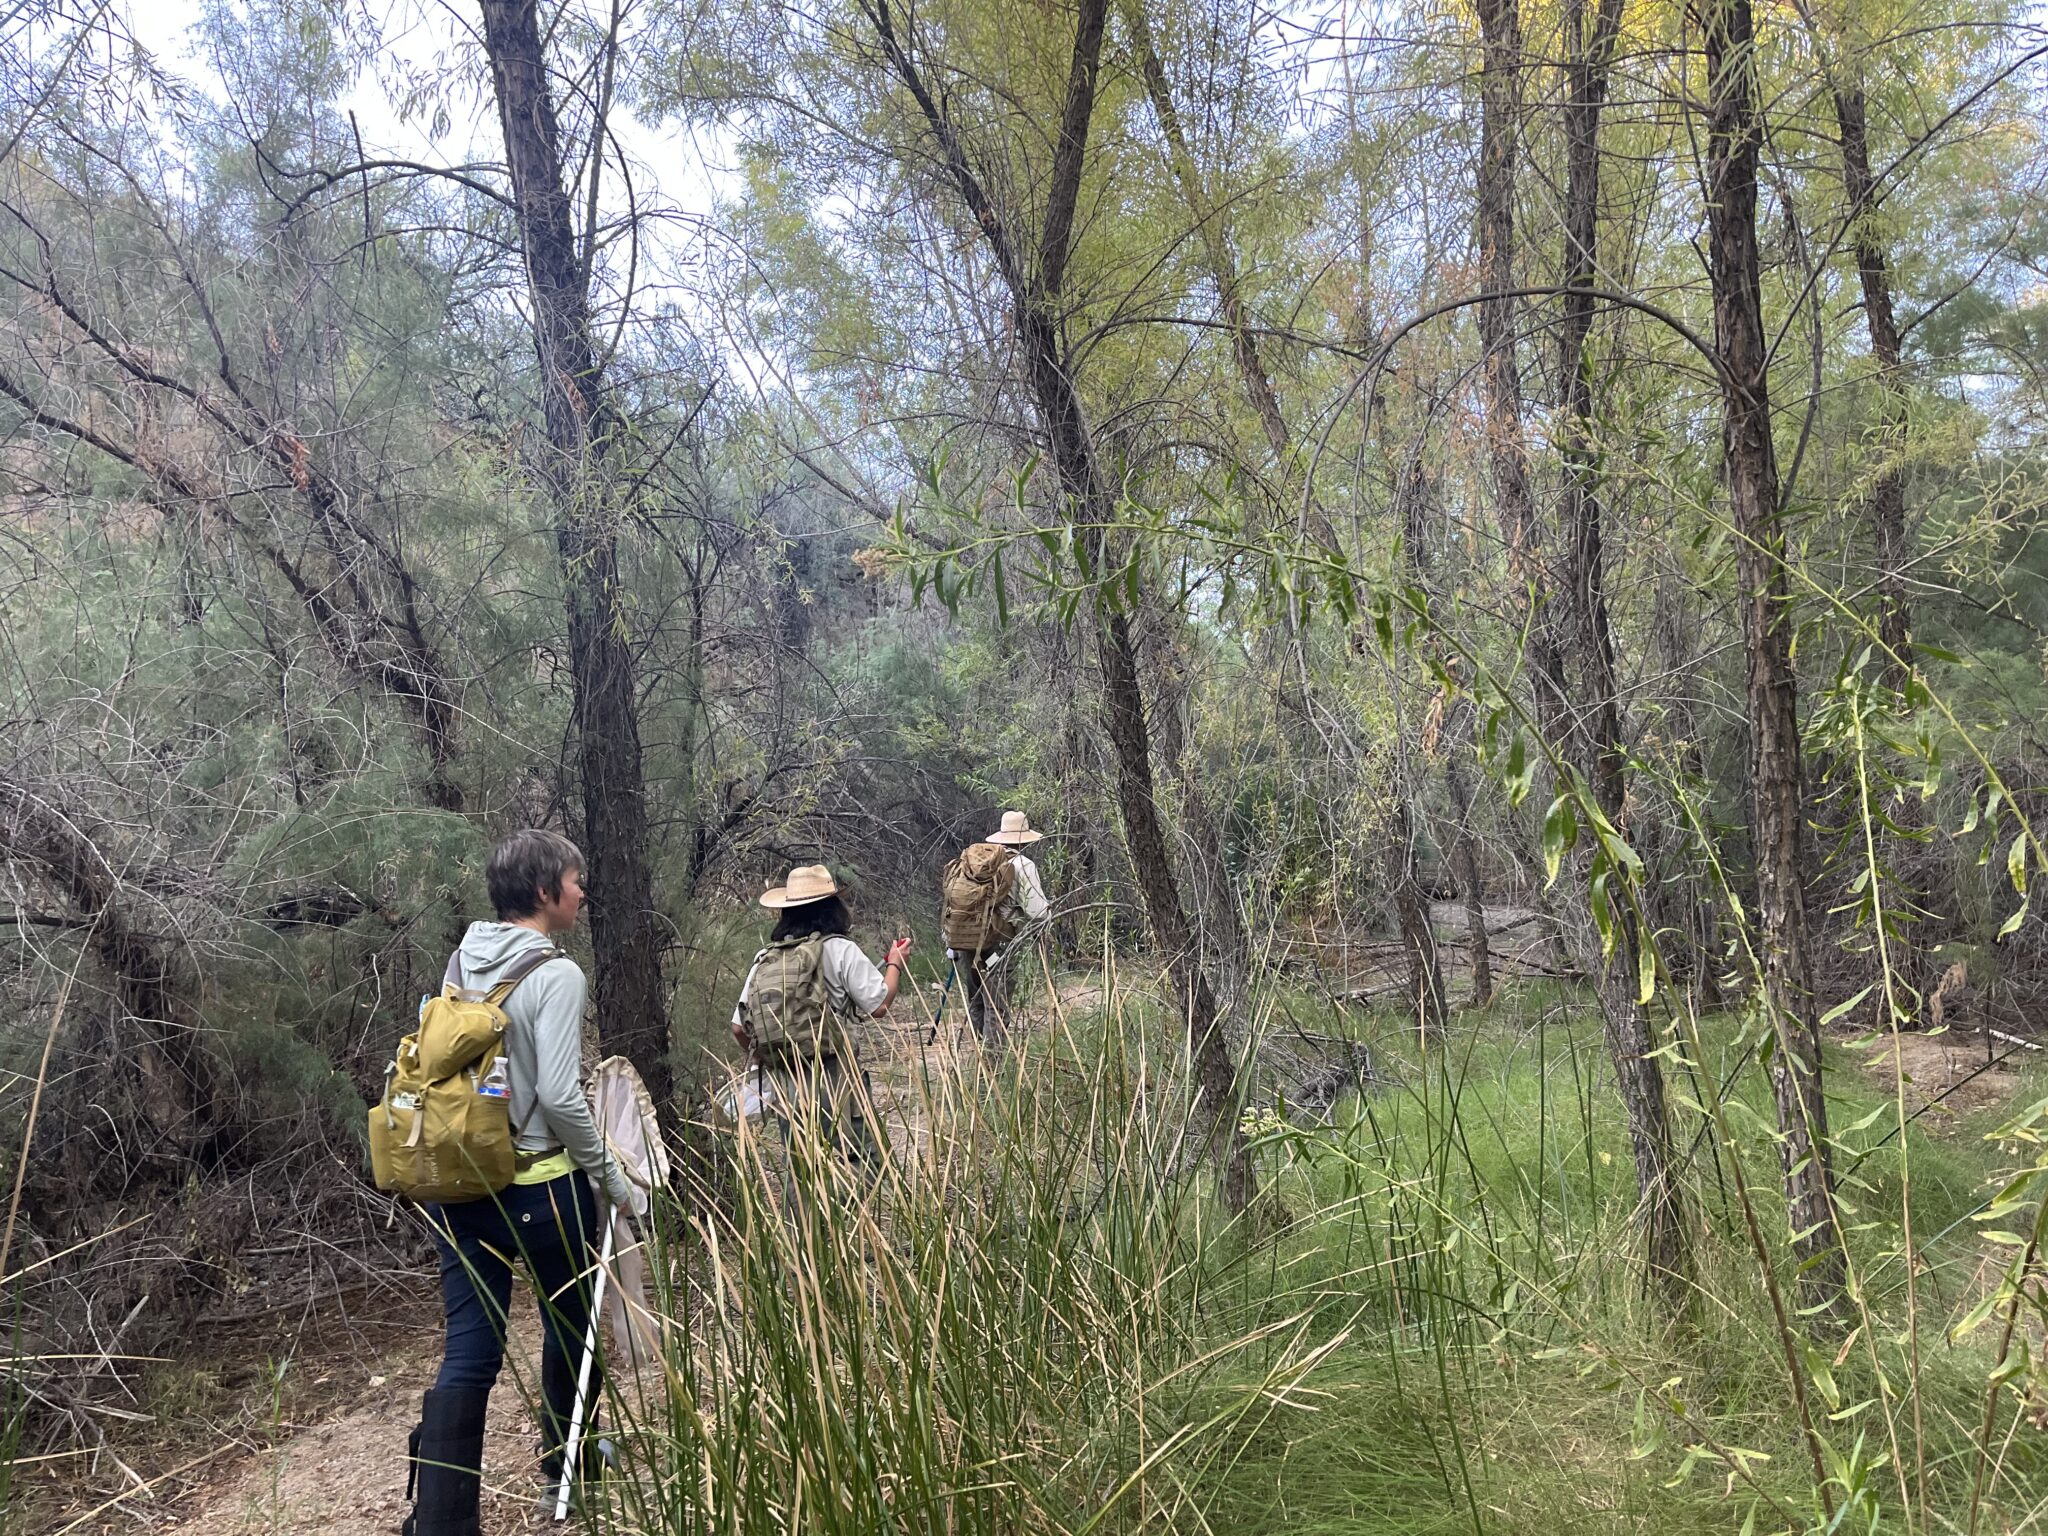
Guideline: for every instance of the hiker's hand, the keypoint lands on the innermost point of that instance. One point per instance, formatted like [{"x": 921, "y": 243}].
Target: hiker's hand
[
  {"x": 624, "y": 1193},
  {"x": 897, "y": 951}
]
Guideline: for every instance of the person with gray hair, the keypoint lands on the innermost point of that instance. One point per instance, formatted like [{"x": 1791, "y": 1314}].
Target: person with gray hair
[{"x": 547, "y": 1218}]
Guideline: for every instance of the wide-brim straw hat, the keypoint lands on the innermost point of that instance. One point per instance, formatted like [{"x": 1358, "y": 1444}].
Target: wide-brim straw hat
[
  {"x": 1016, "y": 830},
  {"x": 806, "y": 883}
]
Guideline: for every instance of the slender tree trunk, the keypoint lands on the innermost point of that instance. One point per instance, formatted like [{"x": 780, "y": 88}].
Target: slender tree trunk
[
  {"x": 1226, "y": 926},
  {"x": 1418, "y": 940},
  {"x": 1885, "y": 508},
  {"x": 1630, "y": 1037},
  {"x": 1460, "y": 737},
  {"x": 1225, "y": 949},
  {"x": 1215, "y": 1075},
  {"x": 1078, "y": 774},
  {"x": 1426, "y": 991},
  {"x": 1701, "y": 914},
  {"x": 1213, "y": 231},
  {"x": 1426, "y": 994},
  {"x": 582, "y": 426},
  {"x": 1500, "y": 105},
  {"x": 1590, "y": 737},
  {"x": 1500, "y": 96},
  {"x": 1034, "y": 290},
  {"x": 1587, "y": 64},
  {"x": 1734, "y": 140}
]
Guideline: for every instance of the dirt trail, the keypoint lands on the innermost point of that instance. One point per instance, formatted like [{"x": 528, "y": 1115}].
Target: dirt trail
[
  {"x": 1949, "y": 1072},
  {"x": 346, "y": 1476}
]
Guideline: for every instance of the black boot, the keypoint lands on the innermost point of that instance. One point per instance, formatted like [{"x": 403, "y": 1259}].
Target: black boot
[{"x": 445, "y": 1463}]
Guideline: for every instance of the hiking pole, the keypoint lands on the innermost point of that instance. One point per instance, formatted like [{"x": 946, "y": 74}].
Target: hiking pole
[
  {"x": 938, "y": 1013},
  {"x": 578, "y": 1413}
]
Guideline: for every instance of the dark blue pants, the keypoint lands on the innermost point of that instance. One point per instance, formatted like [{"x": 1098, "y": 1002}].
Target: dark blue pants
[{"x": 548, "y": 1230}]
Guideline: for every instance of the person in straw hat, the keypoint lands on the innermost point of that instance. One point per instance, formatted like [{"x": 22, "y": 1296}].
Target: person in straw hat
[
  {"x": 991, "y": 894},
  {"x": 799, "y": 995}
]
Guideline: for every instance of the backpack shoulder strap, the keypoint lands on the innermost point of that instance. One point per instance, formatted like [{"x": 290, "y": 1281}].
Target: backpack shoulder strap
[{"x": 524, "y": 967}]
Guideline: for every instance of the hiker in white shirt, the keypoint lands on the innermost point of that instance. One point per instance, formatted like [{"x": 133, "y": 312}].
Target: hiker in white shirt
[
  {"x": 982, "y": 933},
  {"x": 813, "y": 981}
]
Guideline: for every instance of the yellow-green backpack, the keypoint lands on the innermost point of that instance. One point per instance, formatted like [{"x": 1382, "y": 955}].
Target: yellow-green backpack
[{"x": 442, "y": 1133}]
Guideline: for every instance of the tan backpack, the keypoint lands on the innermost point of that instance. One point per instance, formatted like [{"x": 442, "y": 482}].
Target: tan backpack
[
  {"x": 974, "y": 894},
  {"x": 788, "y": 1005},
  {"x": 442, "y": 1133}
]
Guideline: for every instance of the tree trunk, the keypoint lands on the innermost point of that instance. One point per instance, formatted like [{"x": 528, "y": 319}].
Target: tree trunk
[
  {"x": 1426, "y": 991},
  {"x": 1460, "y": 738},
  {"x": 1418, "y": 939},
  {"x": 1588, "y": 62},
  {"x": 1072, "y": 452},
  {"x": 582, "y": 426},
  {"x": 1220, "y": 925},
  {"x": 1698, "y": 911},
  {"x": 1214, "y": 234},
  {"x": 1078, "y": 775},
  {"x": 1427, "y": 994},
  {"x": 1885, "y": 510},
  {"x": 1215, "y": 1075},
  {"x": 1500, "y": 97},
  {"x": 1500, "y": 105},
  {"x": 1886, "y": 507},
  {"x": 1734, "y": 138},
  {"x": 1630, "y": 1038}
]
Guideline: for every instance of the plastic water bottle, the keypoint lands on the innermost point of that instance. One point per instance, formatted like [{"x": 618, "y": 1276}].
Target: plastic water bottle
[{"x": 497, "y": 1082}]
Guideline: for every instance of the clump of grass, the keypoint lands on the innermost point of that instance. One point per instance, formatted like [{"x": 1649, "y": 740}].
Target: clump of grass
[{"x": 1011, "y": 1325}]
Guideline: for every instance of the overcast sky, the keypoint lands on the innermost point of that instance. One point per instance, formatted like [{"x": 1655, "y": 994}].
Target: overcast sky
[{"x": 681, "y": 166}]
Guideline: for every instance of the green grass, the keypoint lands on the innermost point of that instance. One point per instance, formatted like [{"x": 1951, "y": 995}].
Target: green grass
[{"x": 1047, "y": 1324}]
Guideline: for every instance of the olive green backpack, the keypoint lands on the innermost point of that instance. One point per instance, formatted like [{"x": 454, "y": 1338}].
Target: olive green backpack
[
  {"x": 442, "y": 1133},
  {"x": 787, "y": 1005}
]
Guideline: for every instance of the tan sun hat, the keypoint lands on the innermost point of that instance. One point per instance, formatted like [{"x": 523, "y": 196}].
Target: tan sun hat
[
  {"x": 807, "y": 883},
  {"x": 1016, "y": 829}
]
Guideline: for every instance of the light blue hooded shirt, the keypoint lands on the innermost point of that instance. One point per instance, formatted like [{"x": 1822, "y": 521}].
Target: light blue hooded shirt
[{"x": 543, "y": 1050}]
